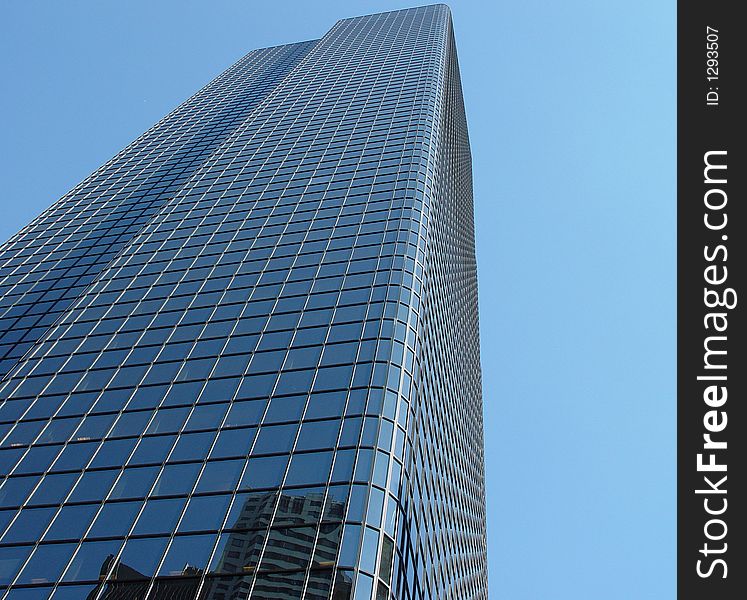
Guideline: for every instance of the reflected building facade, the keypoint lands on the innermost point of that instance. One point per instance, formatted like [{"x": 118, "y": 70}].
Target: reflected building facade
[{"x": 241, "y": 359}]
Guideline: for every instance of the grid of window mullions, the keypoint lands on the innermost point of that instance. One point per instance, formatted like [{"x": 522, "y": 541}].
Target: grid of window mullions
[
  {"x": 280, "y": 228},
  {"x": 133, "y": 175},
  {"x": 467, "y": 575}
]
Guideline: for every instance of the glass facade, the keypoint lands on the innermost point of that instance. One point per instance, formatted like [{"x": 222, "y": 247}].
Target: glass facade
[{"x": 241, "y": 360}]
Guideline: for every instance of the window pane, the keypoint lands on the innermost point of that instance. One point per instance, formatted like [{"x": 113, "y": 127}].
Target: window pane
[
  {"x": 11, "y": 559},
  {"x": 29, "y": 525},
  {"x": 251, "y": 510},
  {"x": 245, "y": 413},
  {"x": 15, "y": 490},
  {"x": 152, "y": 450},
  {"x": 192, "y": 446},
  {"x": 92, "y": 561},
  {"x": 206, "y": 417},
  {"x": 307, "y": 469},
  {"x": 220, "y": 476},
  {"x": 233, "y": 442},
  {"x": 288, "y": 548},
  {"x": 53, "y": 488},
  {"x": 318, "y": 435},
  {"x": 140, "y": 558},
  {"x": 176, "y": 479},
  {"x": 237, "y": 552},
  {"x": 205, "y": 513},
  {"x": 115, "y": 519},
  {"x": 264, "y": 472},
  {"x": 159, "y": 516},
  {"x": 47, "y": 563},
  {"x": 94, "y": 485},
  {"x": 275, "y": 438},
  {"x": 187, "y": 555},
  {"x": 75, "y": 456},
  {"x": 113, "y": 453},
  {"x": 71, "y": 522},
  {"x": 135, "y": 483}
]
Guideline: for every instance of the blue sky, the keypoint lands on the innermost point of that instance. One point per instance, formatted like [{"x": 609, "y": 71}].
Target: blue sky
[{"x": 571, "y": 109}]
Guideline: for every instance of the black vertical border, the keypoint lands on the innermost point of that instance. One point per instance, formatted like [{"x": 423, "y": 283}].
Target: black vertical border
[{"x": 702, "y": 128}]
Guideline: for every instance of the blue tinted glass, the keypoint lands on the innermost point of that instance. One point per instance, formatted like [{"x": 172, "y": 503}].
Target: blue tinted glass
[
  {"x": 152, "y": 449},
  {"x": 300, "y": 505},
  {"x": 358, "y": 495},
  {"x": 58, "y": 430},
  {"x": 94, "y": 426},
  {"x": 139, "y": 558},
  {"x": 280, "y": 540},
  {"x": 71, "y": 522},
  {"x": 294, "y": 382},
  {"x": 115, "y": 518},
  {"x": 15, "y": 490},
  {"x": 187, "y": 555},
  {"x": 344, "y": 462},
  {"x": 46, "y": 563},
  {"x": 93, "y": 485},
  {"x": 219, "y": 390},
  {"x": 276, "y": 438},
  {"x": 251, "y": 510},
  {"x": 37, "y": 459},
  {"x": 159, "y": 516},
  {"x": 53, "y": 488},
  {"x": 363, "y": 587},
  {"x": 29, "y": 525},
  {"x": 220, "y": 476},
  {"x": 11, "y": 559},
  {"x": 238, "y": 552},
  {"x": 264, "y": 472},
  {"x": 306, "y": 469},
  {"x": 351, "y": 430},
  {"x": 134, "y": 483},
  {"x": 131, "y": 423},
  {"x": 35, "y": 593},
  {"x": 318, "y": 435},
  {"x": 325, "y": 405},
  {"x": 9, "y": 457},
  {"x": 233, "y": 442},
  {"x": 167, "y": 420},
  {"x": 267, "y": 362},
  {"x": 5, "y": 518},
  {"x": 176, "y": 479},
  {"x": 75, "y": 456},
  {"x": 24, "y": 433},
  {"x": 245, "y": 413},
  {"x": 205, "y": 513},
  {"x": 285, "y": 409},
  {"x": 303, "y": 358},
  {"x": 92, "y": 561},
  {"x": 349, "y": 548},
  {"x": 192, "y": 446},
  {"x": 113, "y": 453},
  {"x": 206, "y": 417}
]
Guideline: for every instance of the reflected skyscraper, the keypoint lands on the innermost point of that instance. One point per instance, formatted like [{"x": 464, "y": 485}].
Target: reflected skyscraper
[{"x": 241, "y": 359}]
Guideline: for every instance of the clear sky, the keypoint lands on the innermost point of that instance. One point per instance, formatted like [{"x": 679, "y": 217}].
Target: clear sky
[{"x": 571, "y": 107}]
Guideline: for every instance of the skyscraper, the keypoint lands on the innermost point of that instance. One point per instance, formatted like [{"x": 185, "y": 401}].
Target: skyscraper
[{"x": 241, "y": 359}]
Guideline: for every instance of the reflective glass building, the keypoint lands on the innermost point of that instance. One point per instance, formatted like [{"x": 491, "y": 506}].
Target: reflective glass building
[{"x": 241, "y": 359}]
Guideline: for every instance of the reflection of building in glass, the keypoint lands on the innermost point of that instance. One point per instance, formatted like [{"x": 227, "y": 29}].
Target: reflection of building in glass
[
  {"x": 241, "y": 359},
  {"x": 288, "y": 549},
  {"x": 133, "y": 585},
  {"x": 286, "y": 556}
]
